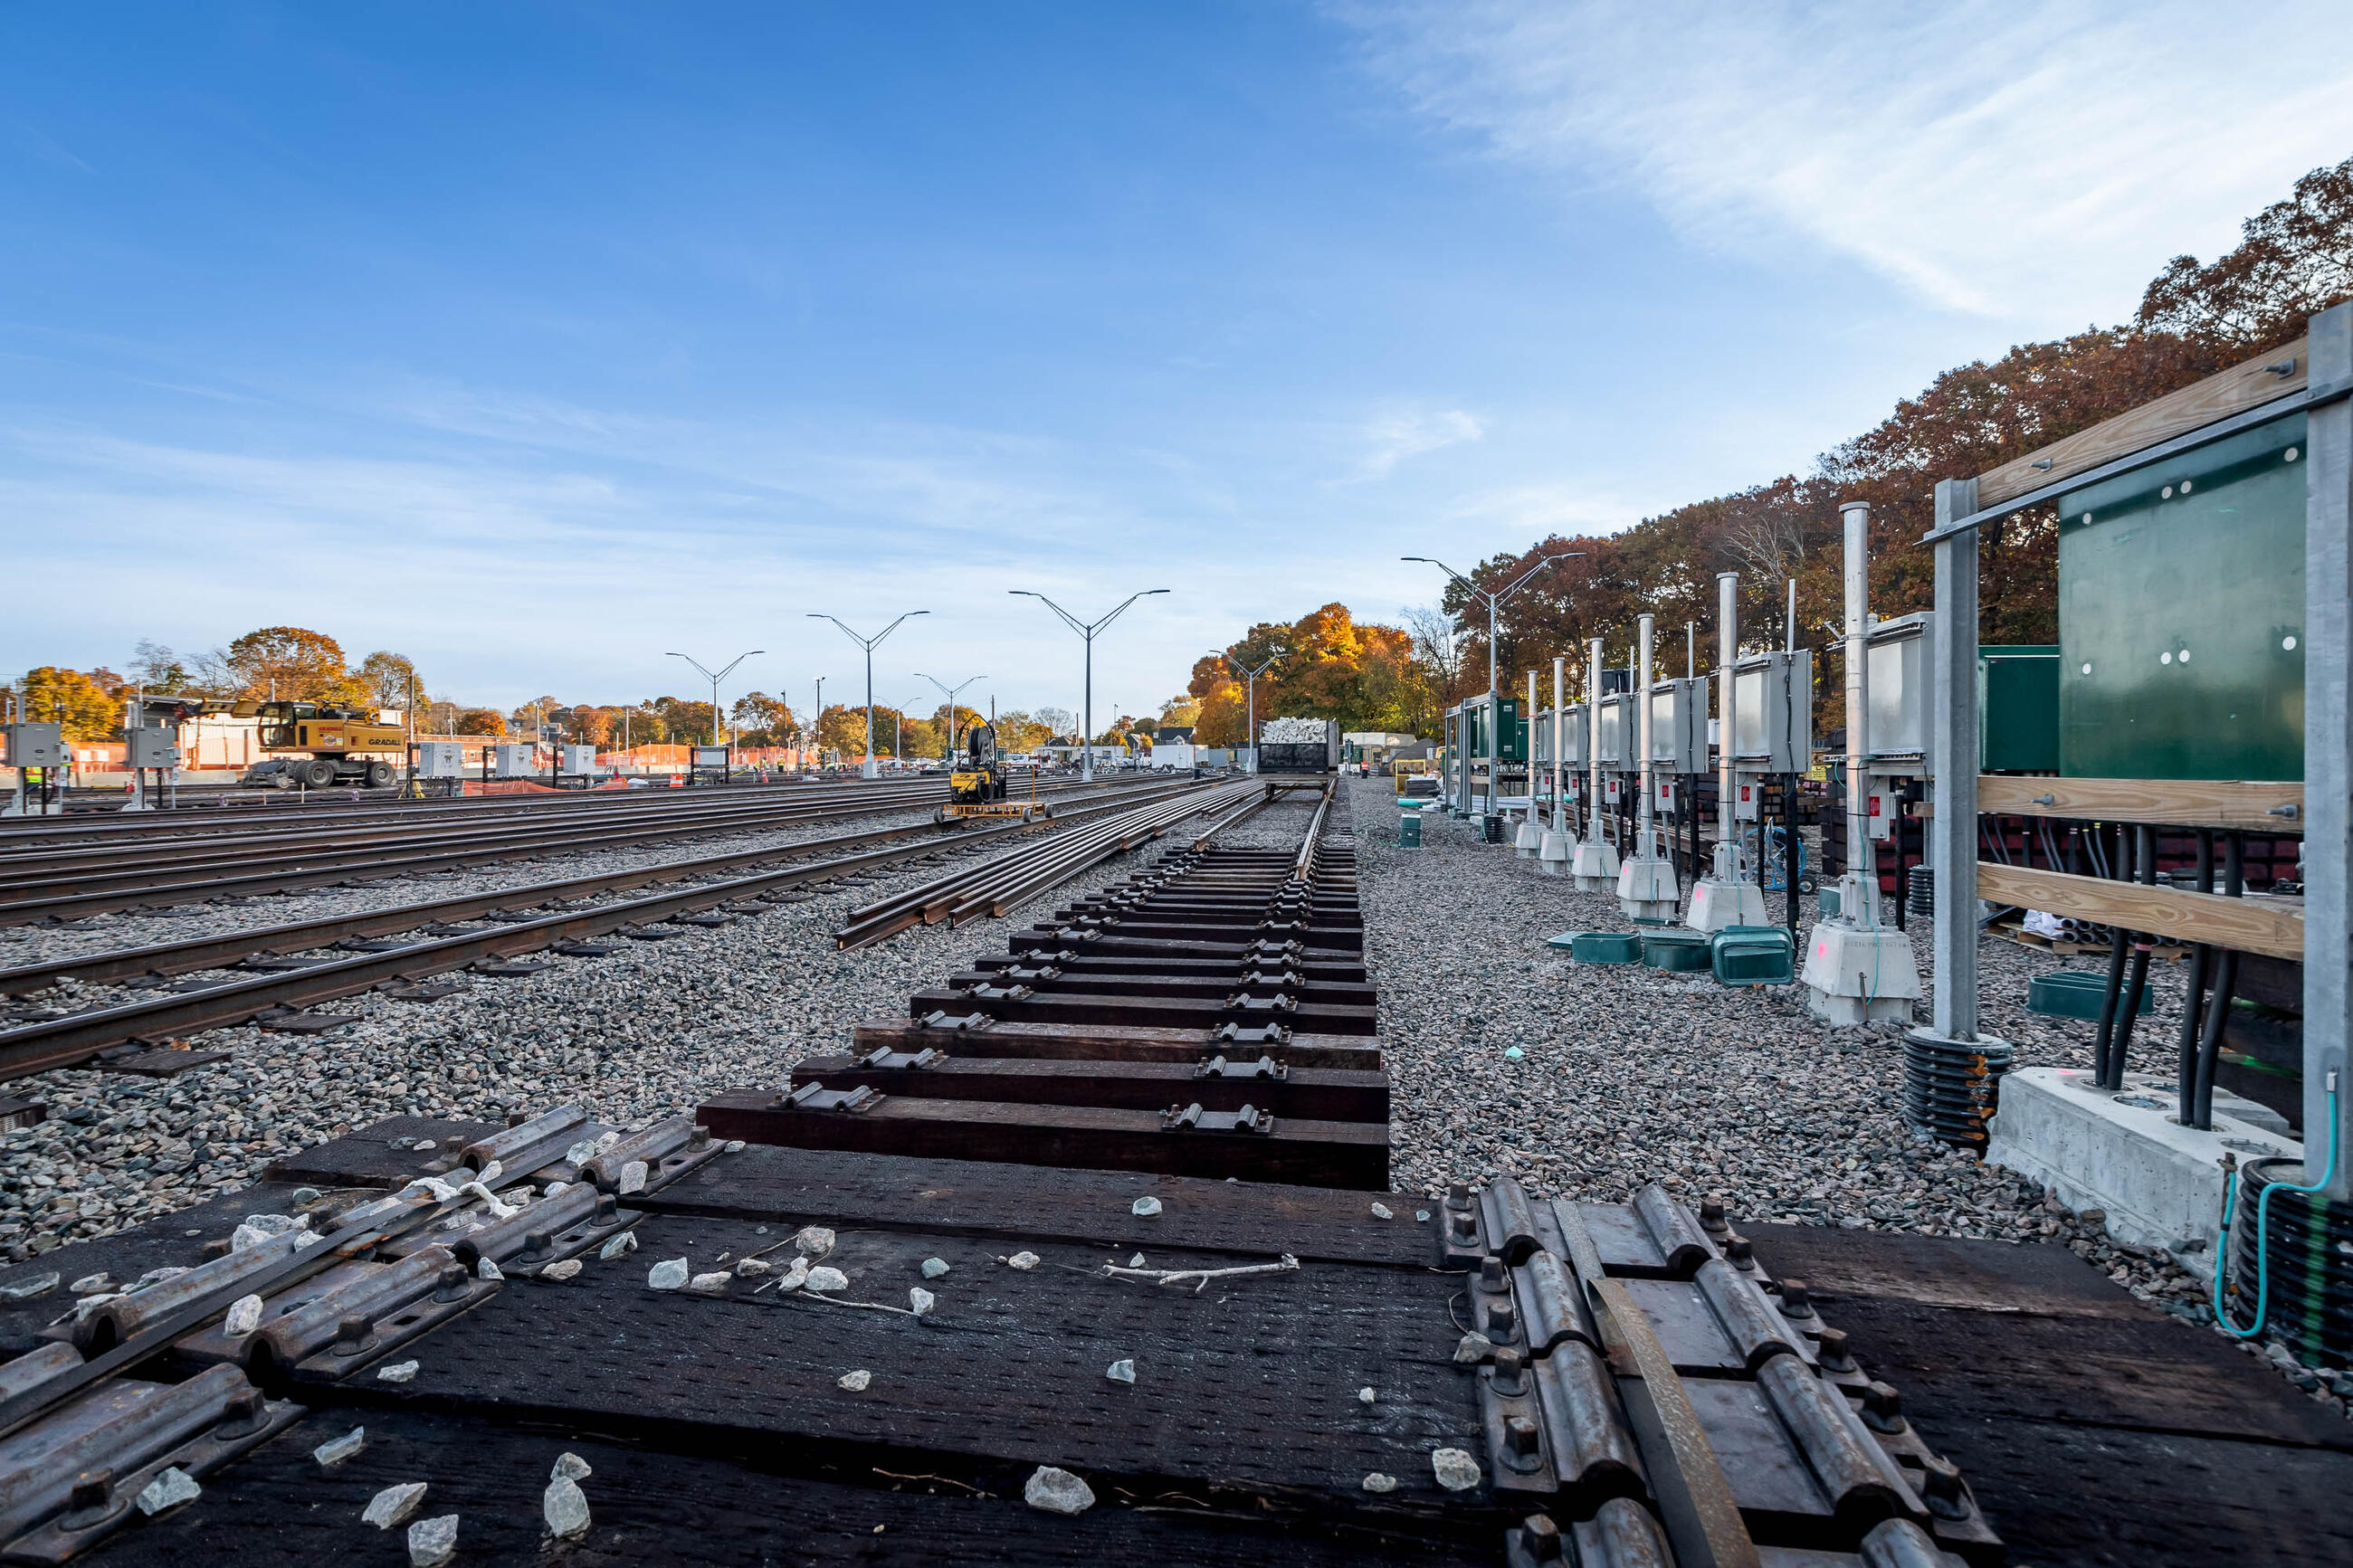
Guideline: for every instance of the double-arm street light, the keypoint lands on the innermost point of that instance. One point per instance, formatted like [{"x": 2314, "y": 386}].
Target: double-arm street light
[
  {"x": 1494, "y": 602},
  {"x": 1087, "y": 630},
  {"x": 867, "y": 769},
  {"x": 714, "y": 681},
  {"x": 1250, "y": 677},
  {"x": 950, "y": 693}
]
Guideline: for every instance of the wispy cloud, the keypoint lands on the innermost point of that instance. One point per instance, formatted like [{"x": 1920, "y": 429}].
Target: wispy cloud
[
  {"x": 1392, "y": 437},
  {"x": 2030, "y": 163}
]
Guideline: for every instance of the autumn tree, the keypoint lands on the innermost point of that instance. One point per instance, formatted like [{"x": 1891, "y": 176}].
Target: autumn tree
[
  {"x": 53, "y": 695},
  {"x": 389, "y": 679},
  {"x": 478, "y": 721},
  {"x": 292, "y": 664},
  {"x": 1020, "y": 731},
  {"x": 157, "y": 669},
  {"x": 761, "y": 720}
]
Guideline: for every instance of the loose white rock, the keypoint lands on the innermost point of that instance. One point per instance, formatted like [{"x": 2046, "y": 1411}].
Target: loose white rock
[
  {"x": 553, "y": 1188},
  {"x": 712, "y": 1284},
  {"x": 933, "y": 1267},
  {"x": 580, "y": 1154},
  {"x": 1366, "y": 1395},
  {"x": 1456, "y": 1470},
  {"x": 393, "y": 1504},
  {"x": 168, "y": 1490},
  {"x": 1144, "y": 1208},
  {"x": 1377, "y": 1482},
  {"x": 1121, "y": 1371},
  {"x": 823, "y": 1278},
  {"x": 633, "y": 1177},
  {"x": 668, "y": 1275},
  {"x": 623, "y": 1242},
  {"x": 1136, "y": 1261},
  {"x": 734, "y": 1146},
  {"x": 1383, "y": 1211},
  {"x": 856, "y": 1381},
  {"x": 400, "y": 1372},
  {"x": 1022, "y": 1260},
  {"x": 794, "y": 1277},
  {"x": 336, "y": 1450},
  {"x": 562, "y": 1269},
  {"x": 565, "y": 1508},
  {"x": 570, "y": 1468},
  {"x": 606, "y": 1141},
  {"x": 1422, "y": 1217},
  {"x": 91, "y": 1284},
  {"x": 243, "y": 1317},
  {"x": 813, "y": 1240},
  {"x": 753, "y": 1268},
  {"x": 920, "y": 1301},
  {"x": 432, "y": 1542},
  {"x": 486, "y": 1270},
  {"x": 1058, "y": 1491},
  {"x": 1473, "y": 1349}
]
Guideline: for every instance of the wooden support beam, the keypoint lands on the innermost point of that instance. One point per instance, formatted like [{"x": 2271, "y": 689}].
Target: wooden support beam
[
  {"x": 2172, "y": 802},
  {"x": 2269, "y": 926},
  {"x": 2201, "y": 403}
]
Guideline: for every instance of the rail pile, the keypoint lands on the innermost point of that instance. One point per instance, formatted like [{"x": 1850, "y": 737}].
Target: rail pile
[{"x": 1208, "y": 1016}]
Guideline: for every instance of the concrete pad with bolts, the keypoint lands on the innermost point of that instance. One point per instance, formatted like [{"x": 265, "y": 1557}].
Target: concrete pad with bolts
[
  {"x": 1647, "y": 889},
  {"x": 1595, "y": 866},
  {"x": 2160, "y": 1183},
  {"x": 1717, "y": 904}
]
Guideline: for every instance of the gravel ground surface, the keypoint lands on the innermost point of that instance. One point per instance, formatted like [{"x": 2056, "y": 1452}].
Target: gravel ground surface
[
  {"x": 645, "y": 1033},
  {"x": 104, "y": 933},
  {"x": 1588, "y": 1081}
]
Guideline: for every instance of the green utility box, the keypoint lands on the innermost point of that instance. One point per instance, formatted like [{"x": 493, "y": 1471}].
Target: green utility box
[
  {"x": 1603, "y": 946},
  {"x": 2075, "y": 994},
  {"x": 2181, "y": 615},
  {"x": 1409, "y": 830},
  {"x": 1753, "y": 955},
  {"x": 1512, "y": 734},
  {"x": 2018, "y": 709},
  {"x": 1677, "y": 952}
]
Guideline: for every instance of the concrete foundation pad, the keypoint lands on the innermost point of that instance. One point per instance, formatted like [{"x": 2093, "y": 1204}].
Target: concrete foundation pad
[
  {"x": 2159, "y": 1182},
  {"x": 1857, "y": 975},
  {"x": 1647, "y": 889},
  {"x": 1717, "y": 904}
]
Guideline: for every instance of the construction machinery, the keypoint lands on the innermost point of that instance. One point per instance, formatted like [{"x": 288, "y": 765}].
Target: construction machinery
[
  {"x": 977, "y": 784},
  {"x": 316, "y": 746}
]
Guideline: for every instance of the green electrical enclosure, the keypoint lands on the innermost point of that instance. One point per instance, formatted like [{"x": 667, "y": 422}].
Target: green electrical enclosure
[
  {"x": 2018, "y": 709},
  {"x": 1514, "y": 733},
  {"x": 2181, "y": 615}
]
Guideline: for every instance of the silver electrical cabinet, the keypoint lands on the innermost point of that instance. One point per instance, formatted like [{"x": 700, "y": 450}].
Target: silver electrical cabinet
[
  {"x": 1896, "y": 662},
  {"x": 514, "y": 761},
  {"x": 1618, "y": 731},
  {"x": 1679, "y": 725},
  {"x": 1773, "y": 722},
  {"x": 33, "y": 745},
  {"x": 576, "y": 762},
  {"x": 1576, "y": 732},
  {"x": 152, "y": 748},
  {"x": 440, "y": 759}
]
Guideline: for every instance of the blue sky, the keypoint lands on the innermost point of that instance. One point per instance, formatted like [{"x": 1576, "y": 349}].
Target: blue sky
[{"x": 534, "y": 340}]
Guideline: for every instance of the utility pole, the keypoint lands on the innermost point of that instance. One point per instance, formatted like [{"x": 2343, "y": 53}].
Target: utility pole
[
  {"x": 714, "y": 681},
  {"x": 950, "y": 693},
  {"x": 1250, "y": 689},
  {"x": 867, "y": 769},
  {"x": 1495, "y": 604},
  {"x": 1086, "y": 630}
]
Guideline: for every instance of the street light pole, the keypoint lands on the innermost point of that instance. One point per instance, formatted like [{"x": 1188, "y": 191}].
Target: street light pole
[
  {"x": 950, "y": 692},
  {"x": 1495, "y": 604},
  {"x": 815, "y": 736},
  {"x": 714, "y": 681},
  {"x": 1087, "y": 630},
  {"x": 868, "y": 770},
  {"x": 1250, "y": 677}
]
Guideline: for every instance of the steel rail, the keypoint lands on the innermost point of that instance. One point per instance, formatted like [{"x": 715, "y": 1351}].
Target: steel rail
[
  {"x": 72, "y": 904},
  {"x": 963, "y": 894},
  {"x": 81, "y": 1037},
  {"x": 35, "y": 831}
]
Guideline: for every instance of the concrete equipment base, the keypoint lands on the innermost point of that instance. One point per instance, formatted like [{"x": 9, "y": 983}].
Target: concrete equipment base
[
  {"x": 1552, "y": 853},
  {"x": 1595, "y": 866},
  {"x": 1527, "y": 840},
  {"x": 2159, "y": 1182},
  {"x": 1716, "y": 905},
  {"x": 1858, "y": 974},
  {"x": 1647, "y": 889}
]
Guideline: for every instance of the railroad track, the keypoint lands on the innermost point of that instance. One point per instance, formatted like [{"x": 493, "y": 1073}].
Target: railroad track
[
  {"x": 97, "y": 881},
  {"x": 400, "y": 967}
]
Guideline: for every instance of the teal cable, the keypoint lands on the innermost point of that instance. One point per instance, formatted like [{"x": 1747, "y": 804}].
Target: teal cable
[{"x": 2263, "y": 1221}]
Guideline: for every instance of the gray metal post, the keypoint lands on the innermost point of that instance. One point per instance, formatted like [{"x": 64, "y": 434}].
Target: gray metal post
[
  {"x": 1860, "y": 865},
  {"x": 1953, "y": 769},
  {"x": 1593, "y": 742},
  {"x": 1559, "y": 733},
  {"x": 1642, "y": 627},
  {"x": 2328, "y": 755},
  {"x": 1727, "y": 653},
  {"x": 1531, "y": 746}
]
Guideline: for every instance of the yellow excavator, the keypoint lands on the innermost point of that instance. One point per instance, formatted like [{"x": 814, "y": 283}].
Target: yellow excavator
[
  {"x": 976, "y": 784},
  {"x": 316, "y": 745}
]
